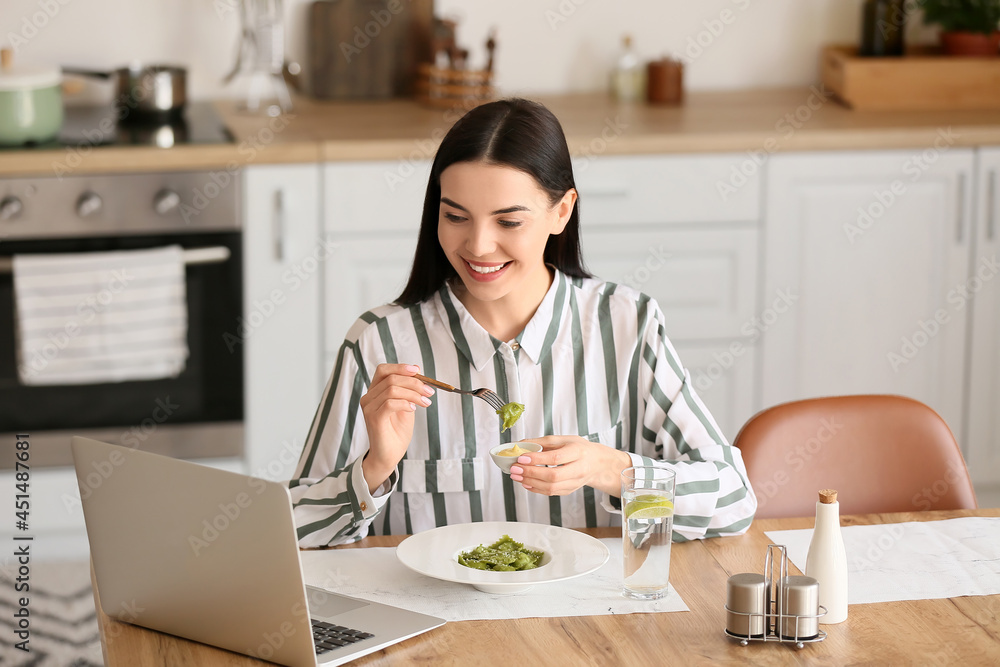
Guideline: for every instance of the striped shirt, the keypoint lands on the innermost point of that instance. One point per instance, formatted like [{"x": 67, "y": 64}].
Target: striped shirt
[{"x": 594, "y": 360}]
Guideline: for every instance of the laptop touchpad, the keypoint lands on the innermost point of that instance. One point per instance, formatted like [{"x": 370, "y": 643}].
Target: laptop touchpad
[{"x": 324, "y": 604}]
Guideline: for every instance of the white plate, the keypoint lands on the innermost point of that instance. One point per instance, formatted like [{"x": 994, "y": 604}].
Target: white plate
[{"x": 568, "y": 554}]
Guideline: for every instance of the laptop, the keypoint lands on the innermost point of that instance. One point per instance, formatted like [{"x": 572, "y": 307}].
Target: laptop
[{"x": 213, "y": 556}]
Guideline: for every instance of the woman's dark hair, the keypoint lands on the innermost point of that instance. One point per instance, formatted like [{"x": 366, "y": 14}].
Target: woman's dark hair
[{"x": 515, "y": 133}]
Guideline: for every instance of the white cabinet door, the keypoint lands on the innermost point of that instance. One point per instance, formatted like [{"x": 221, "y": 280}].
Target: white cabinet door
[
  {"x": 871, "y": 247},
  {"x": 983, "y": 292},
  {"x": 364, "y": 272},
  {"x": 371, "y": 219},
  {"x": 705, "y": 279},
  {"x": 284, "y": 259},
  {"x": 667, "y": 189},
  {"x": 374, "y": 197}
]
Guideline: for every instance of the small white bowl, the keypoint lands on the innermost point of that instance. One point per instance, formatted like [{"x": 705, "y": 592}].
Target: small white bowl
[{"x": 505, "y": 462}]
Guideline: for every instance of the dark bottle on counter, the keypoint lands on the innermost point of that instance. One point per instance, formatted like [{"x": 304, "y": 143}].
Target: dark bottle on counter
[{"x": 883, "y": 24}]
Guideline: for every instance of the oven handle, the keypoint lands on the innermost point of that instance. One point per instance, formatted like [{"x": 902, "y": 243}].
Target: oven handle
[{"x": 210, "y": 255}]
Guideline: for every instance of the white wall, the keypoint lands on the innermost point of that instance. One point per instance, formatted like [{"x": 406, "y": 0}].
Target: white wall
[{"x": 546, "y": 46}]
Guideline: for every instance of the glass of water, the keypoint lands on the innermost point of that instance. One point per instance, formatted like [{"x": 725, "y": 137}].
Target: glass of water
[{"x": 647, "y": 524}]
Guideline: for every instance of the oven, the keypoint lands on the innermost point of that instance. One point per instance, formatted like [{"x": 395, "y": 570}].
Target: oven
[{"x": 199, "y": 412}]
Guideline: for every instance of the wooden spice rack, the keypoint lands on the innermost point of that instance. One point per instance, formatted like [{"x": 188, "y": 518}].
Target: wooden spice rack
[{"x": 923, "y": 79}]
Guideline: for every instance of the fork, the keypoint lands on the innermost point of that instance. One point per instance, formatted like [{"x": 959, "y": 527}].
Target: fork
[{"x": 487, "y": 395}]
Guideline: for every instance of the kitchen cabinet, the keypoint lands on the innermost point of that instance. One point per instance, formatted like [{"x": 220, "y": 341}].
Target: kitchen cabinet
[
  {"x": 982, "y": 290},
  {"x": 661, "y": 224},
  {"x": 371, "y": 219},
  {"x": 703, "y": 279},
  {"x": 656, "y": 223},
  {"x": 870, "y": 249},
  {"x": 364, "y": 273},
  {"x": 284, "y": 261},
  {"x": 662, "y": 190}
]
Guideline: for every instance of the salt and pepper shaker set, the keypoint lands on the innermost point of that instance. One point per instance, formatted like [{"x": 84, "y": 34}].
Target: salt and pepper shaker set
[{"x": 789, "y": 608}]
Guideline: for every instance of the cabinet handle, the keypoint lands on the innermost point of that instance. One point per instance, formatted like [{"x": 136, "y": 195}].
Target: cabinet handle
[
  {"x": 960, "y": 209},
  {"x": 278, "y": 225},
  {"x": 991, "y": 205}
]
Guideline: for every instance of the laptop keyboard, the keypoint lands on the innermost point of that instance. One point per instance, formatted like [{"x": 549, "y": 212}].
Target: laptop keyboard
[{"x": 327, "y": 636}]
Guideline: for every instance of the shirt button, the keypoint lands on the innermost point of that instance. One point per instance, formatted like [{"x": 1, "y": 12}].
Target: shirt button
[
  {"x": 515, "y": 346},
  {"x": 364, "y": 506}
]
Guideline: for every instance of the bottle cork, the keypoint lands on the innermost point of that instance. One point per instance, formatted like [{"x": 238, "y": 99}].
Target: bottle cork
[{"x": 828, "y": 496}]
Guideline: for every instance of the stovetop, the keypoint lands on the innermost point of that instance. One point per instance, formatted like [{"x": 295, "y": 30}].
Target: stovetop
[{"x": 94, "y": 126}]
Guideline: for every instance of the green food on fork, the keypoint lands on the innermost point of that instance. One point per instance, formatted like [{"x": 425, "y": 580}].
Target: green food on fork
[{"x": 509, "y": 414}]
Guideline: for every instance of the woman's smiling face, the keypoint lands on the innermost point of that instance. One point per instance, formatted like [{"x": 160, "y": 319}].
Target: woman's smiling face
[{"x": 493, "y": 226}]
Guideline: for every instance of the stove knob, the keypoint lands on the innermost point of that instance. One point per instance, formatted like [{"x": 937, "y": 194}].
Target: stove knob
[
  {"x": 88, "y": 204},
  {"x": 10, "y": 208},
  {"x": 166, "y": 201}
]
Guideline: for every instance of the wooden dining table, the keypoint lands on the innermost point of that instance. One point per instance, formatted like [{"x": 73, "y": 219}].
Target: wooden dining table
[{"x": 961, "y": 630}]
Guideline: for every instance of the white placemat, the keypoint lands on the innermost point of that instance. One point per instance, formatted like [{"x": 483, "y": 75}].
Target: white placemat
[
  {"x": 917, "y": 560},
  {"x": 377, "y": 575}
]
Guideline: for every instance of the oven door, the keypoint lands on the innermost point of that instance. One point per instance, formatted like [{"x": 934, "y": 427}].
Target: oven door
[{"x": 198, "y": 414}]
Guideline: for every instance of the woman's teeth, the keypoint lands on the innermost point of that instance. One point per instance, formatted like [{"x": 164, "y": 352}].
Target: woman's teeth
[{"x": 487, "y": 269}]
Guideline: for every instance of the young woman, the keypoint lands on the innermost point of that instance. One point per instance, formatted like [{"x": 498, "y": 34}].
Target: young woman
[{"x": 498, "y": 298}]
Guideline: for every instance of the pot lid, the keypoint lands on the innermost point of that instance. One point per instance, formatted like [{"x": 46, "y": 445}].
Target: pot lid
[{"x": 29, "y": 77}]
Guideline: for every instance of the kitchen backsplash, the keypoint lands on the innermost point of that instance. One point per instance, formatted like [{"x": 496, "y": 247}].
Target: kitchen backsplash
[{"x": 545, "y": 46}]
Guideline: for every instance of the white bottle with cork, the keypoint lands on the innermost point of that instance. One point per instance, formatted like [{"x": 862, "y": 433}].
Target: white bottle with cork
[{"x": 827, "y": 559}]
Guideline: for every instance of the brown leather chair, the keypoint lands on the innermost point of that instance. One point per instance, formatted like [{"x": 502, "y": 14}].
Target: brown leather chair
[{"x": 881, "y": 453}]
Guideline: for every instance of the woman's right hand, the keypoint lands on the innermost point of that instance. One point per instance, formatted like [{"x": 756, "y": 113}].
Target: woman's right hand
[{"x": 388, "y": 408}]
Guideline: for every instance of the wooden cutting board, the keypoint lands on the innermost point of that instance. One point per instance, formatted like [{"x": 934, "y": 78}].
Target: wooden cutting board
[{"x": 367, "y": 49}]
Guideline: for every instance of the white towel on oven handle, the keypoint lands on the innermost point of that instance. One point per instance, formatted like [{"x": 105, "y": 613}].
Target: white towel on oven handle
[{"x": 90, "y": 318}]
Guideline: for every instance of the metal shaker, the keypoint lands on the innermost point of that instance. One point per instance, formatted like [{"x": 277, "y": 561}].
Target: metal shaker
[
  {"x": 745, "y": 605},
  {"x": 798, "y": 607}
]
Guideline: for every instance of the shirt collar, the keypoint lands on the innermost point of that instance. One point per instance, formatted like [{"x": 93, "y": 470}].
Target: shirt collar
[
  {"x": 478, "y": 346},
  {"x": 471, "y": 339},
  {"x": 540, "y": 332}
]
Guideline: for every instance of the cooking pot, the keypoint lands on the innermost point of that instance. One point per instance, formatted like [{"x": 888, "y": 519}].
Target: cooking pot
[
  {"x": 145, "y": 92},
  {"x": 31, "y": 108}
]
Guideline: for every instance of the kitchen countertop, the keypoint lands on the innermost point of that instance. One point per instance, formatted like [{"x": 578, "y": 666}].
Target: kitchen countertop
[{"x": 751, "y": 120}]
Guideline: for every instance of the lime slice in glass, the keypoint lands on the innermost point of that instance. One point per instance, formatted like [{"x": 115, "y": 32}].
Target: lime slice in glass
[{"x": 648, "y": 506}]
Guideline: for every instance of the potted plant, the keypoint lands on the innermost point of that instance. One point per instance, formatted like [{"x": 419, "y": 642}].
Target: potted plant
[{"x": 968, "y": 27}]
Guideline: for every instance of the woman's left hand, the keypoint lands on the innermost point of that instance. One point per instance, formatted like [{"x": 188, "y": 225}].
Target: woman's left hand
[{"x": 578, "y": 462}]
